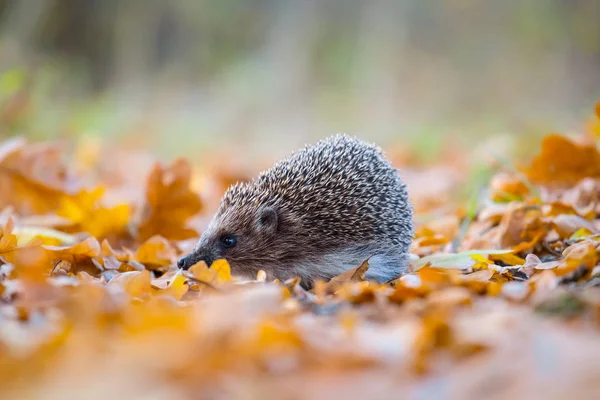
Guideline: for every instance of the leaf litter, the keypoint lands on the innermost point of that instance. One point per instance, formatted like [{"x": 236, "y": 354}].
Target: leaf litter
[{"x": 92, "y": 304}]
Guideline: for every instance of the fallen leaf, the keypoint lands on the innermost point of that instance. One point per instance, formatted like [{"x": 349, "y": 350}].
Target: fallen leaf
[
  {"x": 521, "y": 228},
  {"x": 462, "y": 260},
  {"x": 88, "y": 214},
  {"x": 33, "y": 178},
  {"x": 137, "y": 284},
  {"x": 156, "y": 253},
  {"x": 169, "y": 203},
  {"x": 562, "y": 161},
  {"x": 567, "y": 225},
  {"x": 219, "y": 272},
  {"x": 353, "y": 275},
  {"x": 171, "y": 284},
  {"x": 505, "y": 187}
]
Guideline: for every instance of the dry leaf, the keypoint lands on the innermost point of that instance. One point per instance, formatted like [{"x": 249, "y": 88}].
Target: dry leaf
[
  {"x": 169, "y": 203},
  {"x": 87, "y": 213},
  {"x": 353, "y": 275},
  {"x": 156, "y": 253},
  {"x": 563, "y": 161}
]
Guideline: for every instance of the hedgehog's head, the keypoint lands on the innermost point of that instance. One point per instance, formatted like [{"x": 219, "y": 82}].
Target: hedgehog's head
[{"x": 245, "y": 232}]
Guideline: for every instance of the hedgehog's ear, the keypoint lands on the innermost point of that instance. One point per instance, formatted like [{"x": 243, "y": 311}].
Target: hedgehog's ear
[{"x": 268, "y": 220}]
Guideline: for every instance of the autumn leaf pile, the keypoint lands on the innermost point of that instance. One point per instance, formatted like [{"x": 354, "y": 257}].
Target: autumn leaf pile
[{"x": 502, "y": 299}]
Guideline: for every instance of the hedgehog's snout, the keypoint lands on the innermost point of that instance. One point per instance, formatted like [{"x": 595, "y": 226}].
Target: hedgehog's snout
[{"x": 186, "y": 262}]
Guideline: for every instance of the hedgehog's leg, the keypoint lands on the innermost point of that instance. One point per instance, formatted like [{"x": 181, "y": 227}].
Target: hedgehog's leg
[{"x": 384, "y": 267}]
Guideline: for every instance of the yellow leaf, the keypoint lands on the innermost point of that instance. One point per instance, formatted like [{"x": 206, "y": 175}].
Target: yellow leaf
[
  {"x": 88, "y": 247},
  {"x": 508, "y": 258},
  {"x": 219, "y": 272},
  {"x": 201, "y": 272},
  {"x": 580, "y": 233},
  {"x": 277, "y": 337},
  {"x": 177, "y": 288},
  {"x": 26, "y": 234},
  {"x": 481, "y": 259},
  {"x": 156, "y": 252},
  {"x": 135, "y": 283},
  {"x": 88, "y": 214},
  {"x": 223, "y": 270}
]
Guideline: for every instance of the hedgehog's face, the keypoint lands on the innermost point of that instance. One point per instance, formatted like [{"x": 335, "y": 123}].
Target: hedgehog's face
[{"x": 242, "y": 238}]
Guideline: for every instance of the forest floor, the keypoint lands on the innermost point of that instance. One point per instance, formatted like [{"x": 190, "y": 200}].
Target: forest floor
[{"x": 502, "y": 300}]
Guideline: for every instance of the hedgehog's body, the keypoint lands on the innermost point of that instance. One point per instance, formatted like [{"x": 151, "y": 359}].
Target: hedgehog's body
[{"x": 316, "y": 214}]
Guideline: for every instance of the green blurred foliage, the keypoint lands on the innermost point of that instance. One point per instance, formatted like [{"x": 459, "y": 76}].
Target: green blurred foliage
[{"x": 269, "y": 75}]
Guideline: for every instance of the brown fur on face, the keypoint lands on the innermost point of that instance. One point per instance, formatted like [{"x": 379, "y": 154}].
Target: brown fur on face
[{"x": 260, "y": 241}]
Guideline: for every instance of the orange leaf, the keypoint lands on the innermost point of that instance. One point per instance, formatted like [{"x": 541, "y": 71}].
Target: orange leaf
[
  {"x": 155, "y": 253},
  {"x": 33, "y": 178},
  {"x": 580, "y": 254},
  {"x": 504, "y": 185},
  {"x": 169, "y": 203},
  {"x": 87, "y": 248},
  {"x": 80, "y": 255},
  {"x": 563, "y": 161},
  {"x": 88, "y": 214},
  {"x": 8, "y": 241},
  {"x": 135, "y": 283}
]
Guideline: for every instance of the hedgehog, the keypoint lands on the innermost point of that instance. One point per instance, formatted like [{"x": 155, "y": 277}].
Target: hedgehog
[{"x": 318, "y": 213}]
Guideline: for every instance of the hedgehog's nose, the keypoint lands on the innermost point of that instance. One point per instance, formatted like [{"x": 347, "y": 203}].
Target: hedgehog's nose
[{"x": 185, "y": 262}]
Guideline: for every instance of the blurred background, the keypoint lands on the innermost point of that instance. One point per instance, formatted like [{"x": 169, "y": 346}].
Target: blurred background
[{"x": 200, "y": 78}]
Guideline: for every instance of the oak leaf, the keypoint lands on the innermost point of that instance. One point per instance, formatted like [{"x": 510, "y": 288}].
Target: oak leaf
[
  {"x": 87, "y": 213},
  {"x": 33, "y": 178},
  {"x": 564, "y": 162},
  {"x": 156, "y": 253},
  {"x": 172, "y": 284},
  {"x": 169, "y": 203},
  {"x": 135, "y": 283},
  {"x": 219, "y": 272},
  {"x": 8, "y": 241},
  {"x": 80, "y": 255}
]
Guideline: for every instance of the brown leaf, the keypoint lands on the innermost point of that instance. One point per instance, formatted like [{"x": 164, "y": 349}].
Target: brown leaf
[
  {"x": 567, "y": 225},
  {"x": 521, "y": 228},
  {"x": 353, "y": 275},
  {"x": 579, "y": 254}
]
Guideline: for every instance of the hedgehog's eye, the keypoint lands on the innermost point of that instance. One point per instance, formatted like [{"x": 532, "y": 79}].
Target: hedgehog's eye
[{"x": 228, "y": 241}]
